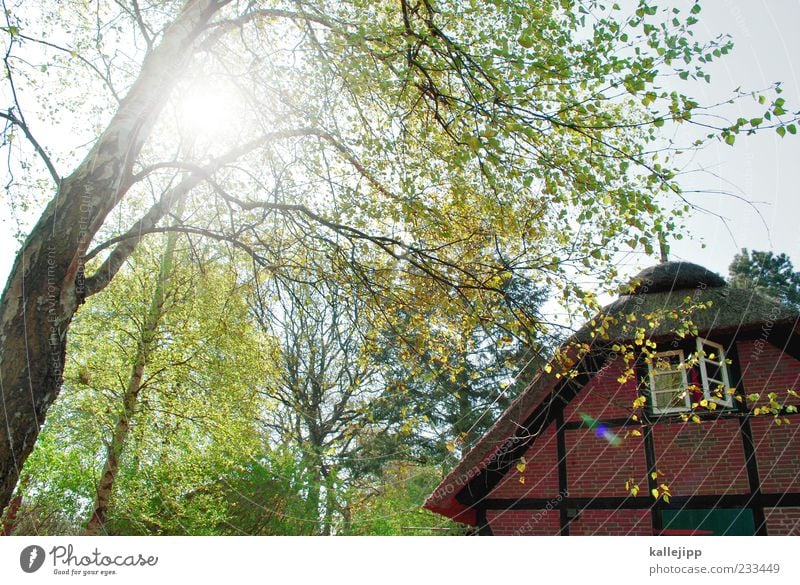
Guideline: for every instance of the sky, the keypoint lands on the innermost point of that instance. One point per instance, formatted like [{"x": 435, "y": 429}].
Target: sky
[{"x": 763, "y": 170}]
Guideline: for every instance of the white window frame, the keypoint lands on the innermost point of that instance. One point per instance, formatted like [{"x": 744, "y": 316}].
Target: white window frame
[
  {"x": 680, "y": 366},
  {"x": 711, "y": 384}
]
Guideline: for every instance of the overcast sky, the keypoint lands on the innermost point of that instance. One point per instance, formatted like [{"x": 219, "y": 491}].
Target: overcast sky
[{"x": 764, "y": 169}]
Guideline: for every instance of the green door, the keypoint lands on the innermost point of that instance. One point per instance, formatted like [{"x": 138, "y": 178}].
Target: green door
[{"x": 717, "y": 522}]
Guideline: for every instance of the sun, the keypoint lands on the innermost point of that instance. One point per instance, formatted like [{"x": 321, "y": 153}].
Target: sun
[{"x": 209, "y": 110}]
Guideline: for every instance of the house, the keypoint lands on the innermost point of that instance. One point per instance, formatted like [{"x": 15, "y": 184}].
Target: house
[{"x": 689, "y": 441}]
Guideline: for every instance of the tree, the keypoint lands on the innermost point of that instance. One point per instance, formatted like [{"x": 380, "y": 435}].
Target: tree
[
  {"x": 159, "y": 404},
  {"x": 456, "y": 142},
  {"x": 325, "y": 384},
  {"x": 766, "y": 272},
  {"x": 447, "y": 387},
  {"x": 148, "y": 337}
]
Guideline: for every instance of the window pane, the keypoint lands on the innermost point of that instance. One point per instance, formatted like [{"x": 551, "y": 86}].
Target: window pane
[
  {"x": 714, "y": 373},
  {"x": 671, "y": 399},
  {"x": 668, "y": 381},
  {"x": 664, "y": 363}
]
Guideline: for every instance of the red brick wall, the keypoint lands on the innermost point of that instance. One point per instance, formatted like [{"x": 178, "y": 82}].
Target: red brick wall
[
  {"x": 783, "y": 521},
  {"x": 765, "y": 368},
  {"x": 777, "y": 453},
  {"x": 612, "y": 523},
  {"x": 540, "y": 475},
  {"x": 604, "y": 397},
  {"x": 706, "y": 458},
  {"x": 596, "y": 468},
  {"x": 524, "y": 522},
  {"x": 694, "y": 459}
]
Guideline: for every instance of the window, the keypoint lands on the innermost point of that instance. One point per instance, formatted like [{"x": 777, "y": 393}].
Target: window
[
  {"x": 675, "y": 384},
  {"x": 668, "y": 383},
  {"x": 713, "y": 372}
]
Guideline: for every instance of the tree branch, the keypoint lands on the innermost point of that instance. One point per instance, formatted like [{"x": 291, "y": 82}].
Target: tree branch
[
  {"x": 37, "y": 147},
  {"x": 147, "y": 224},
  {"x": 218, "y": 29}
]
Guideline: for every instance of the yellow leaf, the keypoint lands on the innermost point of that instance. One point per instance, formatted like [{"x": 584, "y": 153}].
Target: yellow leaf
[
  {"x": 521, "y": 479},
  {"x": 654, "y": 491},
  {"x": 636, "y": 433},
  {"x": 548, "y": 368},
  {"x": 521, "y": 467},
  {"x": 654, "y": 474},
  {"x": 695, "y": 418}
]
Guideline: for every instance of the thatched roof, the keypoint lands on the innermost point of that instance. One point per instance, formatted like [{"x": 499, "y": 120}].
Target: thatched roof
[
  {"x": 687, "y": 290},
  {"x": 671, "y": 276},
  {"x": 666, "y": 296}
]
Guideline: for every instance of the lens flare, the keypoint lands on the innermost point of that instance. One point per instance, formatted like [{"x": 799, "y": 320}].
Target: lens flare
[
  {"x": 601, "y": 430},
  {"x": 209, "y": 111}
]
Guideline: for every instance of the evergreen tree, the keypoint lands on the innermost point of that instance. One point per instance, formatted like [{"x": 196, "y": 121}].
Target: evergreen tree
[{"x": 765, "y": 271}]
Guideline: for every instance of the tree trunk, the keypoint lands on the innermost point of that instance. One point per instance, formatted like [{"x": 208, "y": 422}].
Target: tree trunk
[
  {"x": 330, "y": 502},
  {"x": 10, "y": 517},
  {"x": 119, "y": 438},
  {"x": 46, "y": 283}
]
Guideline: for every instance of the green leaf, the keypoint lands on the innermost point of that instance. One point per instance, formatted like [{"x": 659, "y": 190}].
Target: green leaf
[
  {"x": 696, "y": 9},
  {"x": 730, "y": 139},
  {"x": 781, "y": 131}
]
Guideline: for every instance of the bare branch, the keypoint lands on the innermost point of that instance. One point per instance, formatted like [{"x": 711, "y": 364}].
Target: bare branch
[
  {"x": 218, "y": 29},
  {"x": 35, "y": 143},
  {"x": 137, "y": 15},
  {"x": 104, "y": 78},
  {"x": 128, "y": 241}
]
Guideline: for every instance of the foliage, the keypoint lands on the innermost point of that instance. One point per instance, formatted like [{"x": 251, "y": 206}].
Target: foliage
[
  {"x": 767, "y": 272},
  {"x": 446, "y": 387},
  {"x": 196, "y": 419},
  {"x": 393, "y": 506}
]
